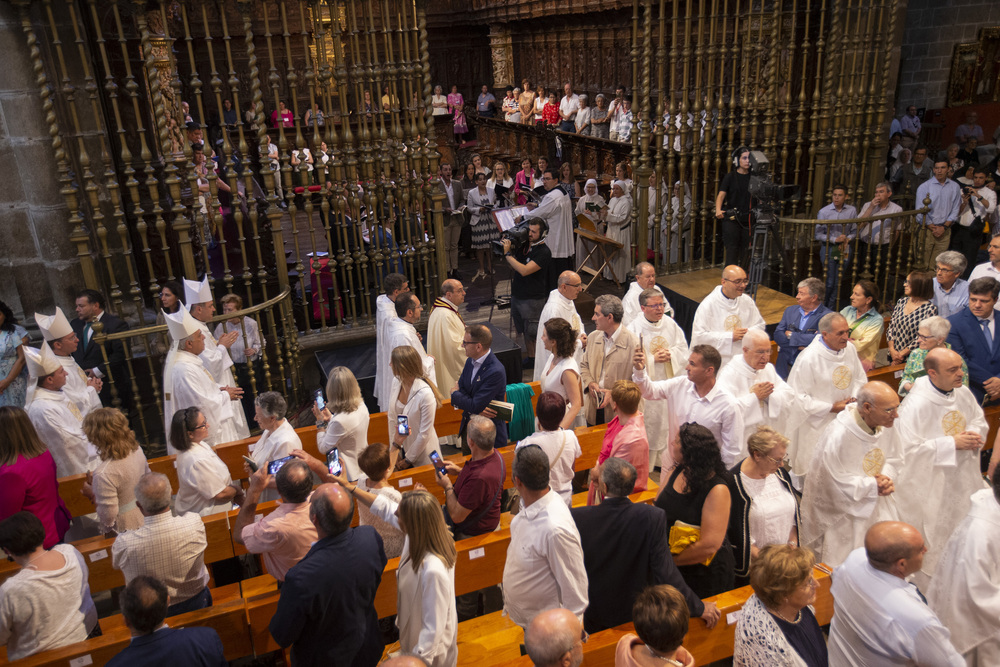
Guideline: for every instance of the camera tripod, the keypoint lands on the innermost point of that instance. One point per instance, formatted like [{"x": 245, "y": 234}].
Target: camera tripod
[{"x": 760, "y": 247}]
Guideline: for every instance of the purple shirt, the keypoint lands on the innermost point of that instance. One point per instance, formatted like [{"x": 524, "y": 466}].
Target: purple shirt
[{"x": 475, "y": 487}]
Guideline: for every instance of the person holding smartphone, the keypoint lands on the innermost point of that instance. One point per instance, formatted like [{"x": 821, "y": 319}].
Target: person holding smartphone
[
  {"x": 342, "y": 420},
  {"x": 278, "y": 439},
  {"x": 414, "y": 396},
  {"x": 203, "y": 481}
]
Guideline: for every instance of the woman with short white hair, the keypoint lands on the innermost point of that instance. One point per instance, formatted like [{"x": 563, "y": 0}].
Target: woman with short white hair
[
  {"x": 278, "y": 440},
  {"x": 931, "y": 333}
]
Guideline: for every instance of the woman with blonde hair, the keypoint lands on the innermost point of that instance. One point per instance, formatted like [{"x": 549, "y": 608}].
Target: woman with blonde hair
[
  {"x": 122, "y": 464},
  {"x": 501, "y": 184},
  {"x": 625, "y": 438},
  {"x": 343, "y": 423},
  {"x": 415, "y": 397}
]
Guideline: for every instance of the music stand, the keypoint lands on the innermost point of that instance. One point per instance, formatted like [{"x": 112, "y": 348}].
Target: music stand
[{"x": 600, "y": 242}]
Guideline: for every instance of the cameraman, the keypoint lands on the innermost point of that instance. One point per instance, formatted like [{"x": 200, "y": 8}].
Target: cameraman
[
  {"x": 978, "y": 204},
  {"x": 732, "y": 208},
  {"x": 530, "y": 283}
]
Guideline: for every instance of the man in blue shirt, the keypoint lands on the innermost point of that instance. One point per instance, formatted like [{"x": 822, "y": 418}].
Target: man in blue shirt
[
  {"x": 945, "y": 199},
  {"x": 951, "y": 293},
  {"x": 836, "y": 248},
  {"x": 799, "y": 324},
  {"x": 486, "y": 105}
]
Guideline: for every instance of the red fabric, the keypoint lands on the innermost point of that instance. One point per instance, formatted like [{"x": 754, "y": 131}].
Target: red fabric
[
  {"x": 550, "y": 114},
  {"x": 628, "y": 442},
  {"x": 477, "y": 485},
  {"x": 31, "y": 485}
]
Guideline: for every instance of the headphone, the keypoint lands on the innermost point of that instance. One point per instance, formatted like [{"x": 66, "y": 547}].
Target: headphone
[
  {"x": 543, "y": 226},
  {"x": 737, "y": 153}
]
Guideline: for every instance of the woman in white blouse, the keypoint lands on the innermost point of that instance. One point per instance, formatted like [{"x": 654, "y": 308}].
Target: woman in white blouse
[
  {"x": 414, "y": 396},
  {"x": 122, "y": 464},
  {"x": 343, "y": 423},
  {"x": 562, "y": 373},
  {"x": 619, "y": 220},
  {"x": 277, "y": 441},
  {"x": 501, "y": 184},
  {"x": 765, "y": 505},
  {"x": 203, "y": 481},
  {"x": 439, "y": 102},
  {"x": 561, "y": 445}
]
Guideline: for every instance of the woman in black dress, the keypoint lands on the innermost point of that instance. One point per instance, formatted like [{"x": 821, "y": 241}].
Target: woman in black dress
[{"x": 697, "y": 496}]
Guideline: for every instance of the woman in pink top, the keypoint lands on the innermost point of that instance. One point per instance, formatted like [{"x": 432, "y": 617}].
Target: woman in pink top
[
  {"x": 525, "y": 181},
  {"x": 28, "y": 476},
  {"x": 625, "y": 438}
]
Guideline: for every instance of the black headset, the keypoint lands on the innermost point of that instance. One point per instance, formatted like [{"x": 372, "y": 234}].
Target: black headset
[{"x": 737, "y": 153}]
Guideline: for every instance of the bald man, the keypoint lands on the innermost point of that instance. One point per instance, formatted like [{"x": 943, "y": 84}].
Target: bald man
[
  {"x": 445, "y": 329},
  {"x": 941, "y": 429},
  {"x": 725, "y": 315},
  {"x": 554, "y": 638},
  {"x": 326, "y": 611},
  {"x": 851, "y": 476},
  {"x": 560, "y": 304},
  {"x": 879, "y": 618}
]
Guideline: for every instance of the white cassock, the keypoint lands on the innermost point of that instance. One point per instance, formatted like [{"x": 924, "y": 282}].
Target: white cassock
[
  {"x": 77, "y": 391},
  {"x": 840, "y": 501},
  {"x": 217, "y": 361},
  {"x": 825, "y": 376},
  {"x": 630, "y": 303},
  {"x": 718, "y": 316},
  {"x": 936, "y": 481},
  {"x": 556, "y": 306},
  {"x": 273, "y": 445},
  {"x": 385, "y": 310},
  {"x": 189, "y": 384},
  {"x": 59, "y": 425},
  {"x": 619, "y": 223},
  {"x": 655, "y": 336},
  {"x": 445, "y": 333},
  {"x": 965, "y": 592},
  {"x": 399, "y": 332},
  {"x": 716, "y": 411},
  {"x": 556, "y": 209}
]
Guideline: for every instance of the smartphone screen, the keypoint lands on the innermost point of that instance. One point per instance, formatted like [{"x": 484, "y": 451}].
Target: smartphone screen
[
  {"x": 320, "y": 401},
  {"x": 333, "y": 463},
  {"x": 403, "y": 425},
  {"x": 274, "y": 466},
  {"x": 438, "y": 463}
]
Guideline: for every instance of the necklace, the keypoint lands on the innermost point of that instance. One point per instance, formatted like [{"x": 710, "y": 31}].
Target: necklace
[
  {"x": 798, "y": 616},
  {"x": 669, "y": 661},
  {"x": 32, "y": 560}
]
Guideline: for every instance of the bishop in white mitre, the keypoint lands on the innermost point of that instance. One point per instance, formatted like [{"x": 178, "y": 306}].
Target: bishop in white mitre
[
  {"x": 56, "y": 418},
  {"x": 725, "y": 315},
  {"x": 645, "y": 278},
  {"x": 82, "y": 391},
  {"x": 561, "y": 303},
  {"x": 829, "y": 371},
  {"x": 215, "y": 356},
  {"x": 850, "y": 482},
  {"x": 385, "y": 311},
  {"x": 940, "y": 431},
  {"x": 445, "y": 333},
  {"x": 187, "y": 383},
  {"x": 400, "y": 331},
  {"x": 965, "y": 592}
]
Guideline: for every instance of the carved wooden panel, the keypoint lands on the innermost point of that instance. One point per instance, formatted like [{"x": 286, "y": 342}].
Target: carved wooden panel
[{"x": 462, "y": 58}]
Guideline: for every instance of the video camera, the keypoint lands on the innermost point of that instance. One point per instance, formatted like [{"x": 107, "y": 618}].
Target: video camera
[
  {"x": 517, "y": 235},
  {"x": 762, "y": 186}
]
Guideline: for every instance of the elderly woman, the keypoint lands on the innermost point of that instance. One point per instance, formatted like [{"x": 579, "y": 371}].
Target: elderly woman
[
  {"x": 619, "y": 220},
  {"x": 439, "y": 102},
  {"x": 660, "y": 618},
  {"x": 931, "y": 333},
  {"x": 600, "y": 119},
  {"x": 203, "y": 482},
  {"x": 47, "y": 603},
  {"x": 765, "y": 505},
  {"x": 122, "y": 464},
  {"x": 511, "y": 110},
  {"x": 912, "y": 309},
  {"x": 277, "y": 441},
  {"x": 778, "y": 627},
  {"x": 582, "y": 121},
  {"x": 865, "y": 322},
  {"x": 414, "y": 396},
  {"x": 558, "y": 443},
  {"x": 343, "y": 422},
  {"x": 562, "y": 372},
  {"x": 624, "y": 439}
]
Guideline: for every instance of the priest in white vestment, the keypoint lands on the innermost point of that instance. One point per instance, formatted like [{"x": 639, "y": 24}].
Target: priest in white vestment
[
  {"x": 828, "y": 370},
  {"x": 385, "y": 310},
  {"x": 400, "y": 331},
  {"x": 187, "y": 383},
  {"x": 850, "y": 480},
  {"x": 724, "y": 316},
  {"x": 82, "y": 391},
  {"x": 215, "y": 356},
  {"x": 445, "y": 333},
  {"x": 56, "y": 418},
  {"x": 645, "y": 278},
  {"x": 965, "y": 592},
  {"x": 940, "y": 432},
  {"x": 666, "y": 351},
  {"x": 556, "y": 209},
  {"x": 560, "y": 304}
]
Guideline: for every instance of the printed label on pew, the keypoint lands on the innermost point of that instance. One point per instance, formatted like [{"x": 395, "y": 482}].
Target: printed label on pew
[
  {"x": 733, "y": 616},
  {"x": 408, "y": 481},
  {"x": 477, "y": 553},
  {"x": 94, "y": 557},
  {"x": 82, "y": 661}
]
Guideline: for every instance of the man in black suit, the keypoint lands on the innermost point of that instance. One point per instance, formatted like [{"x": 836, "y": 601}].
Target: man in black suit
[
  {"x": 483, "y": 380},
  {"x": 625, "y": 550},
  {"x": 90, "y": 306},
  {"x": 326, "y": 611},
  {"x": 144, "y": 605}
]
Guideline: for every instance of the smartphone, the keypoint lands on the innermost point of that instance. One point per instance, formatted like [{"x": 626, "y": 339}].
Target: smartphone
[
  {"x": 333, "y": 463},
  {"x": 251, "y": 463},
  {"x": 403, "y": 425},
  {"x": 320, "y": 401},
  {"x": 438, "y": 463},
  {"x": 274, "y": 466}
]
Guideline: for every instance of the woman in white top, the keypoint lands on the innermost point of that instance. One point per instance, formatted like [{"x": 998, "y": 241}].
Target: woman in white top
[
  {"x": 344, "y": 421},
  {"x": 415, "y": 396},
  {"x": 619, "y": 219},
  {"x": 376, "y": 463},
  {"x": 541, "y": 99},
  {"x": 47, "y": 603},
  {"x": 204, "y": 485},
  {"x": 439, "y": 102},
  {"x": 277, "y": 441},
  {"x": 561, "y": 445},
  {"x": 582, "y": 120},
  {"x": 561, "y": 373},
  {"x": 501, "y": 184},
  {"x": 122, "y": 464}
]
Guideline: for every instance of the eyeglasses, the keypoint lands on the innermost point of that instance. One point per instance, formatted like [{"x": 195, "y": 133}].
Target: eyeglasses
[
  {"x": 578, "y": 285},
  {"x": 809, "y": 583},
  {"x": 944, "y": 269},
  {"x": 655, "y": 306},
  {"x": 783, "y": 462},
  {"x": 468, "y": 342},
  {"x": 924, "y": 336},
  {"x": 201, "y": 426},
  {"x": 739, "y": 283}
]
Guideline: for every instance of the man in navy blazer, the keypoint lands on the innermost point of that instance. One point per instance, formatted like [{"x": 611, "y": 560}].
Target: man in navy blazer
[
  {"x": 799, "y": 324},
  {"x": 144, "y": 605},
  {"x": 625, "y": 550},
  {"x": 483, "y": 380},
  {"x": 969, "y": 337}
]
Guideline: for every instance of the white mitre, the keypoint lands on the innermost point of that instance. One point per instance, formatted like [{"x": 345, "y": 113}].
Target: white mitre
[
  {"x": 53, "y": 327},
  {"x": 197, "y": 292},
  {"x": 181, "y": 324},
  {"x": 41, "y": 361}
]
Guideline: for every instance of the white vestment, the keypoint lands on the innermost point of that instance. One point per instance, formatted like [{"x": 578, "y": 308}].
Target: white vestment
[
  {"x": 77, "y": 391},
  {"x": 657, "y": 335},
  {"x": 217, "y": 361},
  {"x": 840, "y": 501},
  {"x": 273, "y": 445},
  {"x": 965, "y": 592},
  {"x": 445, "y": 333},
  {"x": 191, "y": 385},
  {"x": 824, "y": 376},
  {"x": 556, "y": 209},
  {"x": 556, "y": 306},
  {"x": 399, "y": 332},
  {"x": 716, "y": 318},
  {"x": 630, "y": 304},
  {"x": 385, "y": 311},
  {"x": 936, "y": 481},
  {"x": 59, "y": 425}
]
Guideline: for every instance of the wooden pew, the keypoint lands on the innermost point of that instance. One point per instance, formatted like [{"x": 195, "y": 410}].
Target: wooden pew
[{"x": 888, "y": 374}]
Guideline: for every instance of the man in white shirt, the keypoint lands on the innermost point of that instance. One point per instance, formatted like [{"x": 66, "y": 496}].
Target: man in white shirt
[
  {"x": 875, "y": 237},
  {"x": 990, "y": 269},
  {"x": 82, "y": 391},
  {"x": 556, "y": 209},
  {"x": 385, "y": 310},
  {"x": 560, "y": 304},
  {"x": 616, "y": 111},
  {"x": 723, "y": 317},
  {"x": 544, "y": 567},
  {"x": 401, "y": 331},
  {"x": 445, "y": 330},
  {"x": 696, "y": 398},
  {"x": 569, "y": 105},
  {"x": 645, "y": 278},
  {"x": 879, "y": 618},
  {"x": 977, "y": 207}
]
